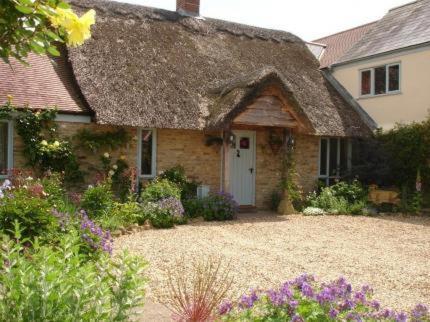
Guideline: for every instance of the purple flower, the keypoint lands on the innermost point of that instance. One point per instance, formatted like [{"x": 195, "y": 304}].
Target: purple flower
[
  {"x": 286, "y": 291},
  {"x": 419, "y": 311},
  {"x": 173, "y": 205},
  {"x": 277, "y": 298},
  {"x": 225, "y": 307},
  {"x": 307, "y": 290},
  {"x": 247, "y": 301},
  {"x": 401, "y": 317},
  {"x": 333, "y": 313}
]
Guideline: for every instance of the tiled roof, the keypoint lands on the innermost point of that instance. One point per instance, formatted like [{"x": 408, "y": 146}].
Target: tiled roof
[
  {"x": 46, "y": 82},
  {"x": 338, "y": 44},
  {"x": 401, "y": 27}
]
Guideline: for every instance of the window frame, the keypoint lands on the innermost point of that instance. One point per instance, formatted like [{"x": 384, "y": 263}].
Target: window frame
[
  {"x": 9, "y": 147},
  {"x": 327, "y": 177},
  {"x": 154, "y": 153},
  {"x": 372, "y": 80}
]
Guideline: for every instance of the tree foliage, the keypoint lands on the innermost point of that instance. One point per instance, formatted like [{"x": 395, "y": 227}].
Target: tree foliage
[{"x": 38, "y": 26}]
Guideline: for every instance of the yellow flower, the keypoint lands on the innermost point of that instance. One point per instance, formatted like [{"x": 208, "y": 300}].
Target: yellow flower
[
  {"x": 122, "y": 157},
  {"x": 56, "y": 144},
  {"x": 78, "y": 29},
  {"x": 9, "y": 98},
  {"x": 44, "y": 142}
]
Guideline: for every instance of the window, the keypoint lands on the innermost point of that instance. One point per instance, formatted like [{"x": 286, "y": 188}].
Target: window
[
  {"x": 6, "y": 150},
  {"x": 147, "y": 153},
  {"x": 380, "y": 80},
  {"x": 335, "y": 159}
]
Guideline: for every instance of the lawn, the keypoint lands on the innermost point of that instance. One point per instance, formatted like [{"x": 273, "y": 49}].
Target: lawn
[{"x": 390, "y": 253}]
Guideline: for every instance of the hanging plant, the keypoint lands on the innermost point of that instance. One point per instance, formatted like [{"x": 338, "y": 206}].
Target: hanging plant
[
  {"x": 275, "y": 141},
  {"x": 213, "y": 140}
]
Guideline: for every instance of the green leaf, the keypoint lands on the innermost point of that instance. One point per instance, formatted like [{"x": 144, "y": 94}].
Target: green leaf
[
  {"x": 63, "y": 5},
  {"x": 53, "y": 51},
  {"x": 24, "y": 9},
  {"x": 52, "y": 35},
  {"x": 37, "y": 48}
]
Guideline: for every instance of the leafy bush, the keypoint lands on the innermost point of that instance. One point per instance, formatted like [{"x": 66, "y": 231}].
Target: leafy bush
[
  {"x": 218, "y": 207},
  {"x": 177, "y": 175},
  {"x": 165, "y": 213},
  {"x": 193, "y": 207},
  {"x": 47, "y": 283},
  {"x": 303, "y": 299},
  {"x": 341, "y": 198},
  {"x": 160, "y": 189},
  {"x": 159, "y": 218},
  {"x": 97, "y": 200},
  {"x": 26, "y": 206},
  {"x": 121, "y": 215}
]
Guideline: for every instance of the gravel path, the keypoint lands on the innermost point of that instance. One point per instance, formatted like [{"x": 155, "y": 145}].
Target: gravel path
[{"x": 391, "y": 253}]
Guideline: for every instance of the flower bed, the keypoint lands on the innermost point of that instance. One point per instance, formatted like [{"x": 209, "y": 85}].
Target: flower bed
[{"x": 304, "y": 299}]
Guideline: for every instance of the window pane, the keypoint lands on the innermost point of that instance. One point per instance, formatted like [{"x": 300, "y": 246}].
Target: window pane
[
  {"x": 380, "y": 80},
  {"x": 147, "y": 156},
  {"x": 365, "y": 82},
  {"x": 323, "y": 157},
  {"x": 343, "y": 157},
  {"x": 393, "y": 78},
  {"x": 333, "y": 157},
  {"x": 3, "y": 146}
]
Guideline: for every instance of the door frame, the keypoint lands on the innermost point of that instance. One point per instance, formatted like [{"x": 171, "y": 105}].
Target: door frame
[{"x": 253, "y": 135}]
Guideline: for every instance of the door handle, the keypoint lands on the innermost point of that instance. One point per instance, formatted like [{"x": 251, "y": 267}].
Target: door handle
[{"x": 251, "y": 170}]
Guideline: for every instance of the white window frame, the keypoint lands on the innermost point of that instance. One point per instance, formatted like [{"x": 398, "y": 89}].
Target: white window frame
[
  {"x": 9, "y": 147},
  {"x": 372, "y": 80},
  {"x": 154, "y": 153},
  {"x": 327, "y": 177}
]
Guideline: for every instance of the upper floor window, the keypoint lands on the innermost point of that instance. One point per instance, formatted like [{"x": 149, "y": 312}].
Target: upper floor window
[
  {"x": 380, "y": 80},
  {"x": 5, "y": 147}
]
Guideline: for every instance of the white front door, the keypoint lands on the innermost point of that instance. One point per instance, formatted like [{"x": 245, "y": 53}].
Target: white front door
[{"x": 242, "y": 168}]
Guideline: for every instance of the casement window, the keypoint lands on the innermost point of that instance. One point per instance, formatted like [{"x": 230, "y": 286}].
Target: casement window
[
  {"x": 147, "y": 152},
  {"x": 380, "y": 80},
  {"x": 6, "y": 147},
  {"x": 334, "y": 159}
]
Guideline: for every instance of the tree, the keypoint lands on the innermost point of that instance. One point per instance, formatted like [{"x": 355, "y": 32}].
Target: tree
[{"x": 38, "y": 26}]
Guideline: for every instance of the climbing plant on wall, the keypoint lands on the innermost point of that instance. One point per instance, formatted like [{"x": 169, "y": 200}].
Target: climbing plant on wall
[{"x": 44, "y": 150}]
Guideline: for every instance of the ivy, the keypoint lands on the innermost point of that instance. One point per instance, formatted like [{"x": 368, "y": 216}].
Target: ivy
[
  {"x": 105, "y": 140},
  {"x": 43, "y": 148}
]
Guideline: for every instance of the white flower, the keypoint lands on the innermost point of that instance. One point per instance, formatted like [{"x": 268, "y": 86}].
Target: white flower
[
  {"x": 44, "y": 142},
  {"x": 115, "y": 167},
  {"x": 56, "y": 144},
  {"x": 313, "y": 211},
  {"x": 29, "y": 179},
  {"x": 90, "y": 186},
  {"x": 111, "y": 172},
  {"x": 106, "y": 155}
]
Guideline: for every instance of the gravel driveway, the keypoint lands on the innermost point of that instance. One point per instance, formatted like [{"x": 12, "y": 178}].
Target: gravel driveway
[{"x": 391, "y": 253}]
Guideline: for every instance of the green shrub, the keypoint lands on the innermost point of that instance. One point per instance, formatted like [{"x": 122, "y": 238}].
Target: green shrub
[
  {"x": 121, "y": 215},
  {"x": 47, "y": 283},
  {"x": 193, "y": 207},
  {"x": 33, "y": 213},
  {"x": 97, "y": 200},
  {"x": 177, "y": 175},
  {"x": 219, "y": 207},
  {"x": 341, "y": 198},
  {"x": 159, "y": 218},
  {"x": 160, "y": 189}
]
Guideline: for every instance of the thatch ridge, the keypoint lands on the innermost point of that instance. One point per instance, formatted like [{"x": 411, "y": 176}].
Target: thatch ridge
[{"x": 155, "y": 68}]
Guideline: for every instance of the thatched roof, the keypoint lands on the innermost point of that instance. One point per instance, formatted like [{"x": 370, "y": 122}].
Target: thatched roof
[{"x": 155, "y": 68}]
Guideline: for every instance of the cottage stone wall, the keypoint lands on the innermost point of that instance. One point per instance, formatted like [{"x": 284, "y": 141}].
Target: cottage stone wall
[
  {"x": 201, "y": 162},
  {"x": 269, "y": 166},
  {"x": 188, "y": 149},
  {"x": 89, "y": 161}
]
